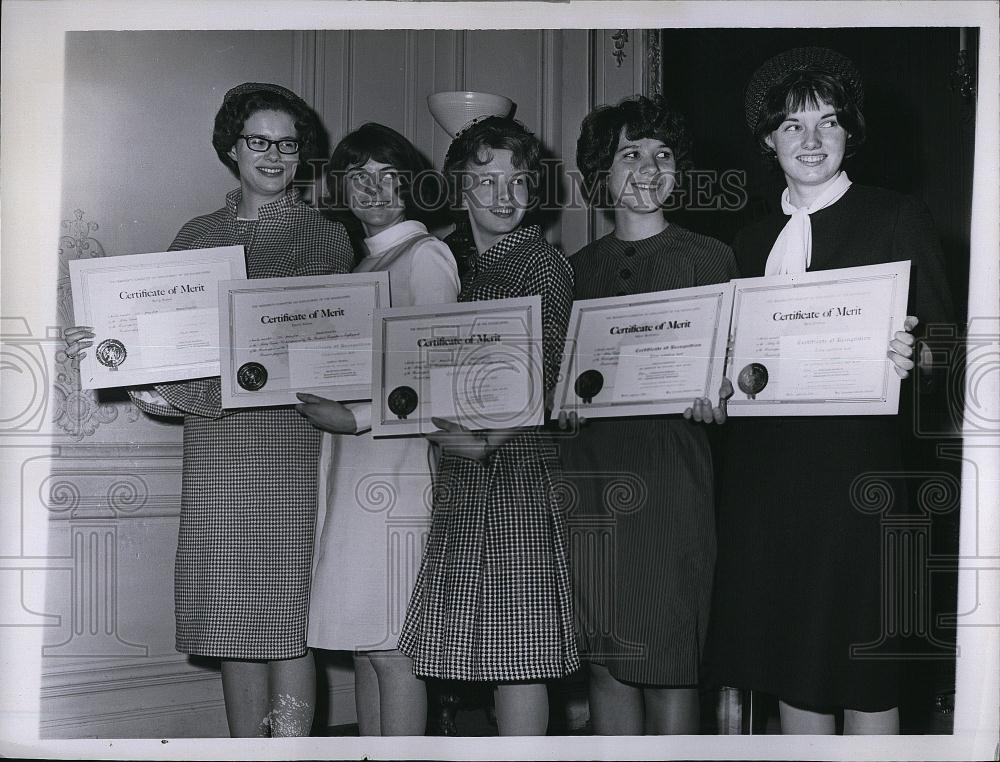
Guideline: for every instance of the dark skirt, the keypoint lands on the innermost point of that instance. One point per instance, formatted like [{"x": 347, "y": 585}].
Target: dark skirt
[{"x": 643, "y": 545}]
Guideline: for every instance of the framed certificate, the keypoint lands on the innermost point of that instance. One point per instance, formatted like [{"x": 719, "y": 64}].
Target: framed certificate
[
  {"x": 816, "y": 343},
  {"x": 644, "y": 354},
  {"x": 477, "y": 363},
  {"x": 301, "y": 334},
  {"x": 155, "y": 316}
]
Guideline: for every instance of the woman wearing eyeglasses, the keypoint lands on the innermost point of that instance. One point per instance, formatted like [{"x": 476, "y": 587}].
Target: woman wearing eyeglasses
[{"x": 248, "y": 496}]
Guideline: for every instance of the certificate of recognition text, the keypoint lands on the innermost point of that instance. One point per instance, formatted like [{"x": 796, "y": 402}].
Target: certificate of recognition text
[{"x": 644, "y": 354}]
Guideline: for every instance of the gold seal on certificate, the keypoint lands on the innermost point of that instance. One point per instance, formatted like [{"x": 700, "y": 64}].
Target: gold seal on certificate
[
  {"x": 111, "y": 353},
  {"x": 302, "y": 334},
  {"x": 644, "y": 354},
  {"x": 816, "y": 343},
  {"x": 155, "y": 316},
  {"x": 476, "y": 363}
]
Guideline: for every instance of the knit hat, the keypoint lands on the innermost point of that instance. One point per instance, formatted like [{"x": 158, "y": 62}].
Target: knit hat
[{"x": 800, "y": 59}]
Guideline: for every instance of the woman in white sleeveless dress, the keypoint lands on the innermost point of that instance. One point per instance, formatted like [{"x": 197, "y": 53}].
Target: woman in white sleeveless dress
[{"x": 374, "y": 495}]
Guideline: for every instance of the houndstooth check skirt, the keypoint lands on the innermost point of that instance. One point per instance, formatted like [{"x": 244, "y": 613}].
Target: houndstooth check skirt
[
  {"x": 244, "y": 550},
  {"x": 493, "y": 600}
]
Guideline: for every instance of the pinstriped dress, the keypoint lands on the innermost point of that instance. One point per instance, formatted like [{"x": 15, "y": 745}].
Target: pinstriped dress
[
  {"x": 642, "y": 528},
  {"x": 248, "y": 496},
  {"x": 493, "y": 600}
]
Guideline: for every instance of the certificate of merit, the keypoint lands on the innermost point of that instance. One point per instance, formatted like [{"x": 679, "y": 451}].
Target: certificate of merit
[
  {"x": 816, "y": 343},
  {"x": 644, "y": 354},
  {"x": 304, "y": 334},
  {"x": 155, "y": 316},
  {"x": 476, "y": 363}
]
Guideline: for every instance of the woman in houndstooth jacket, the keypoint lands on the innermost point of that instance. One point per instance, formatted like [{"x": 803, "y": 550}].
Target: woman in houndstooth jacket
[
  {"x": 492, "y": 601},
  {"x": 248, "y": 498}
]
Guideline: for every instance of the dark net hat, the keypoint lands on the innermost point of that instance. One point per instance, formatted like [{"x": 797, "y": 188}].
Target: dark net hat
[
  {"x": 256, "y": 87},
  {"x": 800, "y": 59}
]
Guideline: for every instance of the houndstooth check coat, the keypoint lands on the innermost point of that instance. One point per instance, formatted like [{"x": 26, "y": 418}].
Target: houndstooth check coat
[
  {"x": 493, "y": 599},
  {"x": 248, "y": 496}
]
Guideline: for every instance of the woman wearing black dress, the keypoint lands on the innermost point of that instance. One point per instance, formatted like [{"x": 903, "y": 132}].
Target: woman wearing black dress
[
  {"x": 643, "y": 603},
  {"x": 798, "y": 604}
]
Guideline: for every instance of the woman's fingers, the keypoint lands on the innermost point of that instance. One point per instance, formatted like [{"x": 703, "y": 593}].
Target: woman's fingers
[
  {"x": 904, "y": 338},
  {"x": 312, "y": 399},
  {"x": 447, "y": 425},
  {"x": 910, "y": 322}
]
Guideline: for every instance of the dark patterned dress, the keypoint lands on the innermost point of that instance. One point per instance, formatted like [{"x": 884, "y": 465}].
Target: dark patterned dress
[
  {"x": 643, "y": 526},
  {"x": 248, "y": 496},
  {"x": 493, "y": 599},
  {"x": 807, "y": 605}
]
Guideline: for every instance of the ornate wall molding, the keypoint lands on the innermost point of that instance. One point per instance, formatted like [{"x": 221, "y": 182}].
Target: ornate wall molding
[
  {"x": 652, "y": 76},
  {"x": 78, "y": 413},
  {"x": 619, "y": 40}
]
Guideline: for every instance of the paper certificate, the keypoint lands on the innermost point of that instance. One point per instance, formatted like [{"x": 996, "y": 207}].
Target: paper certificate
[
  {"x": 817, "y": 343},
  {"x": 644, "y": 354},
  {"x": 155, "y": 316},
  {"x": 300, "y": 334},
  {"x": 477, "y": 363}
]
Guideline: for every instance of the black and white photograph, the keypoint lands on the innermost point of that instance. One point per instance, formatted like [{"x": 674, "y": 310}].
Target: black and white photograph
[{"x": 385, "y": 525}]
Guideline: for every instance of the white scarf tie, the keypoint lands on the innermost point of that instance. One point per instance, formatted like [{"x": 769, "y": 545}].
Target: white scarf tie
[{"x": 792, "y": 250}]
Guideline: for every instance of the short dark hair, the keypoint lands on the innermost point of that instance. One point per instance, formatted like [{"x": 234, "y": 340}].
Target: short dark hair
[
  {"x": 640, "y": 117},
  {"x": 382, "y": 144},
  {"x": 238, "y": 108},
  {"x": 807, "y": 88},
  {"x": 475, "y": 145}
]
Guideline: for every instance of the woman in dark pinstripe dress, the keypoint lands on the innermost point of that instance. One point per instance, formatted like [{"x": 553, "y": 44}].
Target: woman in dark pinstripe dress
[
  {"x": 492, "y": 601},
  {"x": 248, "y": 499},
  {"x": 643, "y": 602}
]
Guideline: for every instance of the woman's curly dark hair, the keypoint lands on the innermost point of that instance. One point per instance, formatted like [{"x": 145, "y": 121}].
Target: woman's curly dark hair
[
  {"x": 803, "y": 89},
  {"x": 237, "y": 109},
  {"x": 475, "y": 145},
  {"x": 640, "y": 117},
  {"x": 382, "y": 144}
]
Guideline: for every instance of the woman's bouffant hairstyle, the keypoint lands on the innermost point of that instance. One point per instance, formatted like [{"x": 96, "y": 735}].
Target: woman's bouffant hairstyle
[
  {"x": 640, "y": 117},
  {"x": 236, "y": 109},
  {"x": 382, "y": 144},
  {"x": 475, "y": 145},
  {"x": 805, "y": 89}
]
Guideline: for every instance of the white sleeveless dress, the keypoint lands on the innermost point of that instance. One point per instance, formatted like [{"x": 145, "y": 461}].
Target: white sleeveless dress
[{"x": 375, "y": 494}]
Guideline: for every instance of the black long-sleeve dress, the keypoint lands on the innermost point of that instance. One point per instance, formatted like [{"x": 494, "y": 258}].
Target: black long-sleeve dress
[
  {"x": 643, "y": 523},
  {"x": 804, "y": 604}
]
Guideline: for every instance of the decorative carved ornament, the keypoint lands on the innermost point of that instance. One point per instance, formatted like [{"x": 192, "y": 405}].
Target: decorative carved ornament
[{"x": 76, "y": 412}]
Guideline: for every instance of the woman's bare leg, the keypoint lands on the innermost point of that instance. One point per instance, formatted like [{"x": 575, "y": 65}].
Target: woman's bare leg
[
  {"x": 366, "y": 696},
  {"x": 402, "y": 695},
  {"x": 858, "y": 723},
  {"x": 292, "y": 692},
  {"x": 522, "y": 709},
  {"x": 244, "y": 688},
  {"x": 795, "y": 721},
  {"x": 615, "y": 708},
  {"x": 671, "y": 711}
]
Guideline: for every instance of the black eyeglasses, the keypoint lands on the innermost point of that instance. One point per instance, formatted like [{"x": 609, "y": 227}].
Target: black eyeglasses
[{"x": 260, "y": 144}]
